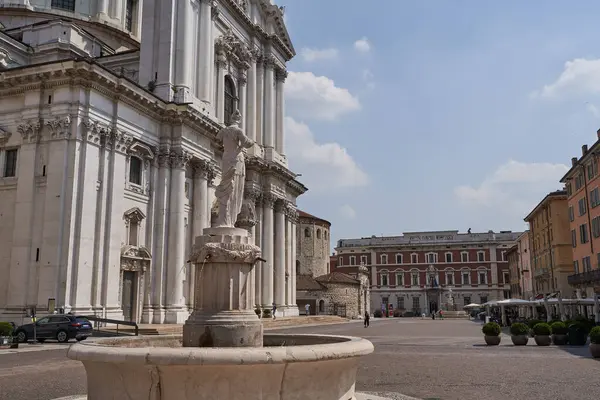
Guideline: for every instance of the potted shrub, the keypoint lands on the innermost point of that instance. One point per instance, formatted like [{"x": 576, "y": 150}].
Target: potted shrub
[
  {"x": 531, "y": 323},
  {"x": 541, "y": 334},
  {"x": 266, "y": 313},
  {"x": 258, "y": 311},
  {"x": 519, "y": 334},
  {"x": 491, "y": 332},
  {"x": 578, "y": 332},
  {"x": 595, "y": 342},
  {"x": 378, "y": 313},
  {"x": 6, "y": 330},
  {"x": 559, "y": 333}
]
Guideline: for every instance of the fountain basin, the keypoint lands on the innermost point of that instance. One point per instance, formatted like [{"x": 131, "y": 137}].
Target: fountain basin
[{"x": 288, "y": 367}]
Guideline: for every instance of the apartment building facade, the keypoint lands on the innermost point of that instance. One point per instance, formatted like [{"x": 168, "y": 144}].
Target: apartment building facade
[
  {"x": 550, "y": 245},
  {"x": 583, "y": 197}
]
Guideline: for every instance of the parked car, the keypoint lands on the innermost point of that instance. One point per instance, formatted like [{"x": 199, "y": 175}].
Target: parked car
[{"x": 61, "y": 327}]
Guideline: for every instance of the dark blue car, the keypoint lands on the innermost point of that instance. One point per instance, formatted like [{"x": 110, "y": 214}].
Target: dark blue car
[{"x": 61, "y": 327}]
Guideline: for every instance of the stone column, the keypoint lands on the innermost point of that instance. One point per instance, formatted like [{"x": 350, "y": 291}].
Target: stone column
[
  {"x": 183, "y": 51},
  {"x": 242, "y": 94},
  {"x": 279, "y": 253},
  {"x": 267, "y": 250},
  {"x": 176, "y": 312},
  {"x": 258, "y": 240},
  {"x": 102, "y": 9},
  {"x": 221, "y": 65},
  {"x": 117, "y": 9},
  {"x": 288, "y": 257},
  {"x": 204, "y": 74},
  {"x": 280, "y": 111},
  {"x": 269, "y": 112},
  {"x": 200, "y": 197},
  {"x": 294, "y": 248},
  {"x": 260, "y": 90},
  {"x": 250, "y": 109}
]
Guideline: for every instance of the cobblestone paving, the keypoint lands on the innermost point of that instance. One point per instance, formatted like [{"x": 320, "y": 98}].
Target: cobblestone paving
[{"x": 448, "y": 360}]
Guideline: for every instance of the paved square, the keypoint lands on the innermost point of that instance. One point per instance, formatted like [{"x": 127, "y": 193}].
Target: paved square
[{"x": 448, "y": 360}]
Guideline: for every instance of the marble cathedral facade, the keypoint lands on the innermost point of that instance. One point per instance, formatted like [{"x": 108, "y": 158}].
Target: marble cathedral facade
[{"x": 109, "y": 158}]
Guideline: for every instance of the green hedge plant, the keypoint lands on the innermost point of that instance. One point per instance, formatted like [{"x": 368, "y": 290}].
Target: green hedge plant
[
  {"x": 559, "y": 328},
  {"x": 595, "y": 335},
  {"x": 542, "y": 329},
  {"x": 6, "y": 329},
  {"x": 518, "y": 329},
  {"x": 491, "y": 329}
]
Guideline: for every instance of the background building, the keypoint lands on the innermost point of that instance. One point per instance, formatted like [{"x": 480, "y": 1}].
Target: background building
[
  {"x": 550, "y": 244},
  {"x": 415, "y": 271},
  {"x": 583, "y": 195},
  {"x": 519, "y": 267},
  {"x": 109, "y": 157},
  {"x": 332, "y": 293}
]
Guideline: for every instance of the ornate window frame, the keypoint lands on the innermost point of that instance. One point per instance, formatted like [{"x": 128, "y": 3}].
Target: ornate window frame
[
  {"x": 133, "y": 215},
  {"x": 146, "y": 155}
]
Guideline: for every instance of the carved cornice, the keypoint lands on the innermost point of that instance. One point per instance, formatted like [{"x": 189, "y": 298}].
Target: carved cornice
[
  {"x": 134, "y": 215},
  {"x": 96, "y": 132},
  {"x": 30, "y": 131},
  {"x": 141, "y": 150},
  {"x": 60, "y": 127},
  {"x": 180, "y": 159},
  {"x": 4, "y": 136},
  {"x": 252, "y": 194},
  {"x": 281, "y": 75},
  {"x": 269, "y": 199}
]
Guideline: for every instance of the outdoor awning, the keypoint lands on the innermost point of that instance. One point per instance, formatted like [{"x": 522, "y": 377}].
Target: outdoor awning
[
  {"x": 472, "y": 305},
  {"x": 514, "y": 302}
]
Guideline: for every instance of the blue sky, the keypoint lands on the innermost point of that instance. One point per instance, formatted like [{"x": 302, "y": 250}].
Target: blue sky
[{"x": 433, "y": 115}]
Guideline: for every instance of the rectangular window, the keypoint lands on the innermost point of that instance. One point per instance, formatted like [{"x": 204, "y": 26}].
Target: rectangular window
[
  {"x": 400, "y": 303},
  {"x": 467, "y": 300},
  {"x": 506, "y": 277},
  {"x": 416, "y": 304},
  {"x": 340, "y": 260},
  {"x": 133, "y": 233},
  {"x": 464, "y": 257},
  {"x": 450, "y": 279},
  {"x": 576, "y": 266},
  {"x": 466, "y": 278},
  {"x": 414, "y": 258},
  {"x": 129, "y": 15},
  {"x": 583, "y": 234},
  {"x": 574, "y": 238},
  {"x": 571, "y": 214},
  {"x": 596, "y": 227},
  {"x": 578, "y": 181},
  {"x": 481, "y": 256},
  {"x": 592, "y": 169},
  {"x": 569, "y": 189},
  {"x": 482, "y": 277},
  {"x": 363, "y": 259},
  {"x": 352, "y": 260},
  {"x": 582, "y": 206},
  {"x": 384, "y": 279},
  {"x": 135, "y": 170},
  {"x": 415, "y": 278},
  {"x": 399, "y": 279},
  {"x": 383, "y": 259},
  {"x": 398, "y": 258},
  {"x": 586, "y": 264},
  {"x": 10, "y": 163},
  {"x": 595, "y": 197},
  {"x": 431, "y": 258},
  {"x": 68, "y": 5},
  {"x": 503, "y": 256},
  {"x": 448, "y": 257}
]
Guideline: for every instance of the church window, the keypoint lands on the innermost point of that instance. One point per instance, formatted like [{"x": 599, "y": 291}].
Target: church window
[
  {"x": 230, "y": 99},
  {"x": 135, "y": 170},
  {"x": 318, "y": 234},
  {"x": 129, "y": 14},
  {"x": 133, "y": 233},
  {"x": 10, "y": 163},
  {"x": 307, "y": 232},
  {"x": 68, "y": 5}
]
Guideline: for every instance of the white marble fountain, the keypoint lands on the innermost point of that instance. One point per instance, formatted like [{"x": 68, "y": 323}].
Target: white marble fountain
[{"x": 223, "y": 354}]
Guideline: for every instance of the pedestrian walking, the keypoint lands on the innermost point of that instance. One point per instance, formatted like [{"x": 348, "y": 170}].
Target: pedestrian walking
[
  {"x": 367, "y": 318},
  {"x": 274, "y": 310},
  {"x": 307, "y": 309}
]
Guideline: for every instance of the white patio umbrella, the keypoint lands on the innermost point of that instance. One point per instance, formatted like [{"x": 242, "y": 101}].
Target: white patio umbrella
[{"x": 472, "y": 305}]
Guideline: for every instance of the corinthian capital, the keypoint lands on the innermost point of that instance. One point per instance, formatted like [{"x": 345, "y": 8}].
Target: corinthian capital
[
  {"x": 30, "y": 131},
  {"x": 180, "y": 159},
  {"x": 60, "y": 127}
]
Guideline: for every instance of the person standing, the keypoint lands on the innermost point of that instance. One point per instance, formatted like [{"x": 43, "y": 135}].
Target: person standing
[
  {"x": 274, "y": 310},
  {"x": 367, "y": 318},
  {"x": 307, "y": 309}
]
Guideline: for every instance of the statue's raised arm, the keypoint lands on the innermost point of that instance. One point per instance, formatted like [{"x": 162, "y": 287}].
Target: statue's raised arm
[{"x": 230, "y": 192}]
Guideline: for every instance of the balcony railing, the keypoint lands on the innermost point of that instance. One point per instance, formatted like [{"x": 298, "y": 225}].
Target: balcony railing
[{"x": 586, "y": 277}]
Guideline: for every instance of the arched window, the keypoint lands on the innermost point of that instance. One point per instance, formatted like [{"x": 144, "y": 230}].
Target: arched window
[
  {"x": 230, "y": 99},
  {"x": 321, "y": 307},
  {"x": 318, "y": 234},
  {"x": 306, "y": 232},
  {"x": 325, "y": 234}
]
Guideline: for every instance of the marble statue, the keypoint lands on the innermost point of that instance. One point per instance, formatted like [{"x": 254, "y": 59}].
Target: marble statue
[
  {"x": 450, "y": 298},
  {"x": 230, "y": 192}
]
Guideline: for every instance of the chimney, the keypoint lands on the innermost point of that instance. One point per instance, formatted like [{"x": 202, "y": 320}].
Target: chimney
[
  {"x": 573, "y": 161},
  {"x": 584, "y": 149}
]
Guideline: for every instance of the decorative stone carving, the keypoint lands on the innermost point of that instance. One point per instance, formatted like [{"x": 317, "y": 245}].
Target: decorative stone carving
[
  {"x": 60, "y": 127},
  {"x": 222, "y": 250},
  {"x": 135, "y": 258},
  {"x": 203, "y": 168},
  {"x": 4, "y": 136},
  {"x": 122, "y": 141},
  {"x": 269, "y": 61},
  {"x": 269, "y": 199},
  {"x": 141, "y": 150},
  {"x": 30, "y": 131},
  {"x": 230, "y": 192},
  {"x": 214, "y": 10},
  {"x": 164, "y": 156},
  {"x": 95, "y": 131},
  {"x": 180, "y": 159},
  {"x": 281, "y": 75},
  {"x": 247, "y": 217},
  {"x": 134, "y": 214},
  {"x": 242, "y": 78}
]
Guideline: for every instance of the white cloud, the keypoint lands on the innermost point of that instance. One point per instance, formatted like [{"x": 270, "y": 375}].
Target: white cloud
[
  {"x": 347, "y": 211},
  {"x": 514, "y": 187},
  {"x": 310, "y": 55},
  {"x": 324, "y": 166},
  {"x": 579, "y": 77},
  {"x": 362, "y": 45},
  {"x": 317, "y": 97}
]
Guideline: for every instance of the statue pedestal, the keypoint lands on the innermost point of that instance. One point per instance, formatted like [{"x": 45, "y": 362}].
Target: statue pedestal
[{"x": 223, "y": 314}]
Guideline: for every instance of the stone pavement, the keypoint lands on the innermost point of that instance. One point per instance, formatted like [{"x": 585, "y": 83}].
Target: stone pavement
[{"x": 359, "y": 396}]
